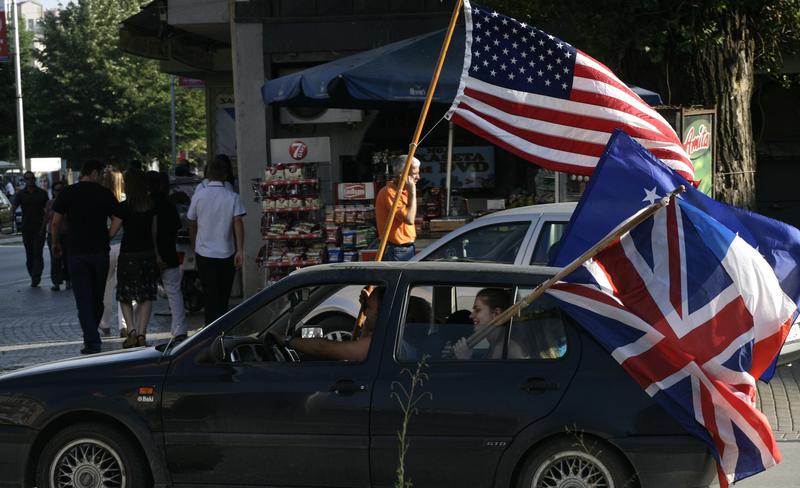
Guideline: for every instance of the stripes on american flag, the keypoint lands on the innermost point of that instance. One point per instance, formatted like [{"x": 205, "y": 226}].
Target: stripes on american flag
[
  {"x": 547, "y": 102},
  {"x": 694, "y": 314}
]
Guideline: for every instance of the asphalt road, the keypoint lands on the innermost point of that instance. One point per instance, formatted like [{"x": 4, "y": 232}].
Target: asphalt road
[{"x": 38, "y": 325}]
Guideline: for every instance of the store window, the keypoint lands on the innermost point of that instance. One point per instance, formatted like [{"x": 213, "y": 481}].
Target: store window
[
  {"x": 449, "y": 323},
  {"x": 497, "y": 243},
  {"x": 546, "y": 248}
]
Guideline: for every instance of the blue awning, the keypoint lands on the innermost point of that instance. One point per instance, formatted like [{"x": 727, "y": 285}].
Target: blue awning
[{"x": 397, "y": 72}]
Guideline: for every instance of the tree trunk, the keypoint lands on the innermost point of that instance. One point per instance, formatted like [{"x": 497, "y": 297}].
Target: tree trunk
[{"x": 721, "y": 73}]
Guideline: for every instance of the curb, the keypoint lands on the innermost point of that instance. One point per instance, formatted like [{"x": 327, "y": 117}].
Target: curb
[{"x": 10, "y": 239}]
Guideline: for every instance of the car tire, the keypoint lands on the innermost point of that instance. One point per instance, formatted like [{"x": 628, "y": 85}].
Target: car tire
[
  {"x": 576, "y": 463},
  {"x": 91, "y": 454}
]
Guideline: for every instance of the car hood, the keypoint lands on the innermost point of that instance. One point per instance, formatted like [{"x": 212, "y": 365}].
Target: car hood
[{"x": 94, "y": 364}]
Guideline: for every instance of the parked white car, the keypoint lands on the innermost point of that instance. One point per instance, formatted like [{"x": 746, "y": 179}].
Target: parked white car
[{"x": 521, "y": 236}]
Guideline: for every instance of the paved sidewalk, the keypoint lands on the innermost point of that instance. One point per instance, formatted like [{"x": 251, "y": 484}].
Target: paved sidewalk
[{"x": 39, "y": 325}]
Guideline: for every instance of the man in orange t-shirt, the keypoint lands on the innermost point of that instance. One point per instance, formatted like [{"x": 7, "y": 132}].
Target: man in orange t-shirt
[{"x": 402, "y": 234}]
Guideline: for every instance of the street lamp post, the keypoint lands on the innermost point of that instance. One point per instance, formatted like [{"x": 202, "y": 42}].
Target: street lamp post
[{"x": 18, "y": 74}]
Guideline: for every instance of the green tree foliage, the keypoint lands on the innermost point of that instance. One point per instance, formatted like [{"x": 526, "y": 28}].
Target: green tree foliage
[
  {"x": 696, "y": 52},
  {"x": 92, "y": 101}
]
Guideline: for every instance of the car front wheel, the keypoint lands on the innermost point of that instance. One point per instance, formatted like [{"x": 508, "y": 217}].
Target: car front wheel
[
  {"x": 91, "y": 455},
  {"x": 574, "y": 464}
]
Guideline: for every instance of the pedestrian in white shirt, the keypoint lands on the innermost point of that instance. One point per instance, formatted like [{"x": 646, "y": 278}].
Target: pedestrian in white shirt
[{"x": 216, "y": 231}]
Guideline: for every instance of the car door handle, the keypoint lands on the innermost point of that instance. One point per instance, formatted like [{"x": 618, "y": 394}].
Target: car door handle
[
  {"x": 346, "y": 386},
  {"x": 538, "y": 385}
]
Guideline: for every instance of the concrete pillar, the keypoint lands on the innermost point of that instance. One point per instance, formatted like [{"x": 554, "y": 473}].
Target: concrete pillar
[{"x": 251, "y": 136}]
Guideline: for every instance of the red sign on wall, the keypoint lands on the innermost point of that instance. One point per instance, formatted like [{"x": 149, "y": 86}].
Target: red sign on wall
[{"x": 3, "y": 36}]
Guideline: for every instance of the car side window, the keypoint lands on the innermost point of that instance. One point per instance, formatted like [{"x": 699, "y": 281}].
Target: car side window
[
  {"x": 496, "y": 243},
  {"x": 537, "y": 332},
  {"x": 444, "y": 321},
  {"x": 546, "y": 244}
]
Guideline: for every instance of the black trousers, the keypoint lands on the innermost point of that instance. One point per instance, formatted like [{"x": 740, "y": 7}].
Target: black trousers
[
  {"x": 89, "y": 273},
  {"x": 34, "y": 253},
  {"x": 216, "y": 277}
]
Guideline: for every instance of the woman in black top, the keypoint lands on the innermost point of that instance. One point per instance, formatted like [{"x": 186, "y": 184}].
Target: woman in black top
[{"x": 137, "y": 272}]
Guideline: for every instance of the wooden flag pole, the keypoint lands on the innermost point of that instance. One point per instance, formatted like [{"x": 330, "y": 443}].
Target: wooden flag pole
[
  {"x": 412, "y": 150},
  {"x": 612, "y": 236}
]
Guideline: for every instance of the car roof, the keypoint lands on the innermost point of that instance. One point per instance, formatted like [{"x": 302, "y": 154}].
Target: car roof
[
  {"x": 433, "y": 266},
  {"x": 564, "y": 207}
]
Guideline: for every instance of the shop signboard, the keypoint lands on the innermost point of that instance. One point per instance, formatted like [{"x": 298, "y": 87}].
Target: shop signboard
[
  {"x": 184, "y": 82},
  {"x": 356, "y": 191},
  {"x": 225, "y": 125},
  {"x": 473, "y": 166},
  {"x": 698, "y": 140},
  {"x": 301, "y": 150},
  {"x": 3, "y": 35}
]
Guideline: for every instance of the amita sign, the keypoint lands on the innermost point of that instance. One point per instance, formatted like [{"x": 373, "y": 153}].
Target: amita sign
[{"x": 698, "y": 142}]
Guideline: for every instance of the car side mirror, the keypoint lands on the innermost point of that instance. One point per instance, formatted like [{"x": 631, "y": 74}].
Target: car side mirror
[{"x": 211, "y": 353}]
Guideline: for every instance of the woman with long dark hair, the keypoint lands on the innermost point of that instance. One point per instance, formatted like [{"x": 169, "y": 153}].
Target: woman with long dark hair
[{"x": 137, "y": 272}]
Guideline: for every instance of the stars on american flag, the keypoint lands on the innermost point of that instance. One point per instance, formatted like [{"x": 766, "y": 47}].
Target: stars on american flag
[{"x": 508, "y": 43}]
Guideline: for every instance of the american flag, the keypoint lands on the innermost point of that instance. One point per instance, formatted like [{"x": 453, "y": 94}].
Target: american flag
[
  {"x": 547, "y": 102},
  {"x": 689, "y": 309}
]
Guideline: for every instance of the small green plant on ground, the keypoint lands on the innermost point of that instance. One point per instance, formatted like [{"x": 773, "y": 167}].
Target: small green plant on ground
[{"x": 408, "y": 398}]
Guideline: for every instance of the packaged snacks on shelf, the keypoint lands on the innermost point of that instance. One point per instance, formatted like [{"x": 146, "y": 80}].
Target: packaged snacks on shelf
[
  {"x": 339, "y": 214},
  {"x": 276, "y": 172},
  {"x": 350, "y": 256},
  {"x": 295, "y": 171},
  {"x": 348, "y": 239},
  {"x": 294, "y": 203},
  {"x": 334, "y": 255}
]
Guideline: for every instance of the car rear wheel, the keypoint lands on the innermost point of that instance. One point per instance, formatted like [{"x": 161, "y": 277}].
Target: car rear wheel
[
  {"x": 91, "y": 455},
  {"x": 568, "y": 463}
]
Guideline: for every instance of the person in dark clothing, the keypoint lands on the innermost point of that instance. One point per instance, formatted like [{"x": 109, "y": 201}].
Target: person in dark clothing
[
  {"x": 33, "y": 201},
  {"x": 86, "y": 205},
  {"x": 167, "y": 225},
  {"x": 137, "y": 271}
]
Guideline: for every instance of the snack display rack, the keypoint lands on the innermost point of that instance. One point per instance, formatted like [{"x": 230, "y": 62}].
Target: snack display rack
[
  {"x": 350, "y": 225},
  {"x": 293, "y": 238}
]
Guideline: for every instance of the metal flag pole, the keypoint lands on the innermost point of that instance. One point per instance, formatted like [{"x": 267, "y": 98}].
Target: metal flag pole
[
  {"x": 612, "y": 237},
  {"x": 18, "y": 81},
  {"x": 412, "y": 149}
]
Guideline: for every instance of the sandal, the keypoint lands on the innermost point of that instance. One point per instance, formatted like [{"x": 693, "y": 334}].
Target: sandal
[
  {"x": 123, "y": 332},
  {"x": 131, "y": 340},
  {"x": 141, "y": 340}
]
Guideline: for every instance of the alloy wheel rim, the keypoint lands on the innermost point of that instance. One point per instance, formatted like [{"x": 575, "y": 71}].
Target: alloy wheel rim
[
  {"x": 87, "y": 463},
  {"x": 572, "y": 469}
]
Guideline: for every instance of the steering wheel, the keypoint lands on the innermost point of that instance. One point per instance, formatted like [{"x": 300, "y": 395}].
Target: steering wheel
[{"x": 275, "y": 350}]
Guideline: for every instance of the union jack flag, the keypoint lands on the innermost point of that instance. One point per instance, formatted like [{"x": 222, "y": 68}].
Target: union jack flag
[
  {"x": 695, "y": 315},
  {"x": 548, "y": 102}
]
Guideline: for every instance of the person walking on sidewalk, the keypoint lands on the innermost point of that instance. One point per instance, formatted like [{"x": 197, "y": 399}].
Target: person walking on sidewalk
[
  {"x": 402, "y": 233},
  {"x": 33, "y": 201},
  {"x": 137, "y": 273},
  {"x": 216, "y": 232},
  {"x": 167, "y": 224},
  {"x": 59, "y": 271},
  {"x": 86, "y": 205},
  {"x": 112, "y": 179}
]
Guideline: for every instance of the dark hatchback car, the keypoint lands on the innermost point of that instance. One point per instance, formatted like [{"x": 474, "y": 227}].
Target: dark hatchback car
[{"x": 230, "y": 406}]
